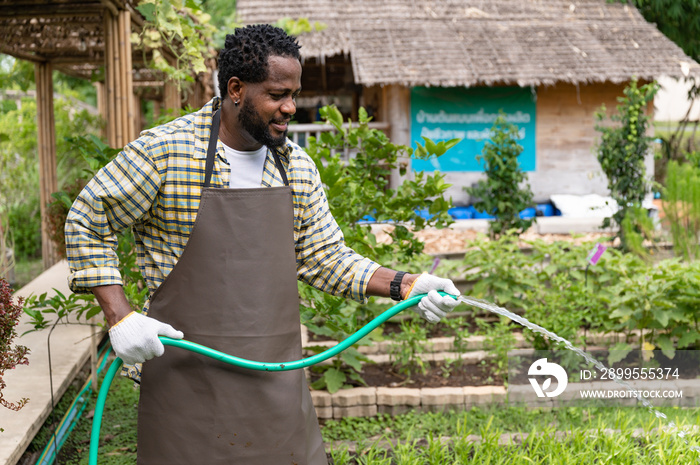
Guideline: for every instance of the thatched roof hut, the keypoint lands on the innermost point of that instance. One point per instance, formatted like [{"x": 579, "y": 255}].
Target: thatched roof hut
[{"x": 482, "y": 42}]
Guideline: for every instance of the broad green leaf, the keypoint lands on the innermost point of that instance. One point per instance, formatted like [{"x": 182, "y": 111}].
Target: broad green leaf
[
  {"x": 666, "y": 345},
  {"x": 335, "y": 379},
  {"x": 618, "y": 352},
  {"x": 148, "y": 11}
]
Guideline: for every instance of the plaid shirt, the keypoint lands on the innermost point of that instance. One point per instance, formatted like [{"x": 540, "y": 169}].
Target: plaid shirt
[{"x": 154, "y": 187}]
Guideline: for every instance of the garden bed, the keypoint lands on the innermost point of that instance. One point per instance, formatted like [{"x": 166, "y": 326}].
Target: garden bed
[{"x": 436, "y": 374}]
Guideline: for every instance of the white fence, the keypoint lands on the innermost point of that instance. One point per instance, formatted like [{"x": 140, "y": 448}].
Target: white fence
[{"x": 300, "y": 133}]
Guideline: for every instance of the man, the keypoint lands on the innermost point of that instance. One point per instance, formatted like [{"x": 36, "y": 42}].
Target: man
[{"x": 221, "y": 256}]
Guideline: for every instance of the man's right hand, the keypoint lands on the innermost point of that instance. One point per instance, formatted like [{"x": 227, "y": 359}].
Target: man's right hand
[{"x": 135, "y": 337}]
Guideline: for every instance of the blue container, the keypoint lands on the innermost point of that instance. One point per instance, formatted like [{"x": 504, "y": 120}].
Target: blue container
[
  {"x": 482, "y": 215},
  {"x": 367, "y": 219},
  {"x": 528, "y": 213},
  {"x": 545, "y": 209},
  {"x": 461, "y": 213},
  {"x": 424, "y": 213}
]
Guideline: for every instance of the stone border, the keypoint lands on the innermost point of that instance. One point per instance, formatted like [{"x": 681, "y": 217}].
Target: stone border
[{"x": 370, "y": 401}]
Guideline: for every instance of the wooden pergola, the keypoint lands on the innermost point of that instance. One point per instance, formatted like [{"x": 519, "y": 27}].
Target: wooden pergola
[{"x": 86, "y": 39}]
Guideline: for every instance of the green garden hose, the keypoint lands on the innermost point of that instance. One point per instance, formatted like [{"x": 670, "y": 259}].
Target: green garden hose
[{"x": 232, "y": 360}]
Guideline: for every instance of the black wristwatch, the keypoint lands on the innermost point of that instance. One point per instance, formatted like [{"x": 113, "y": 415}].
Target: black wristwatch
[{"x": 395, "y": 286}]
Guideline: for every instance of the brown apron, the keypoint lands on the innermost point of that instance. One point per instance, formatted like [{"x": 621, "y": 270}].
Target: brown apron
[{"x": 234, "y": 289}]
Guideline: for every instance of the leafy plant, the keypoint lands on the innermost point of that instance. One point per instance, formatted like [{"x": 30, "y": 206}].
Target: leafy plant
[
  {"x": 181, "y": 28},
  {"x": 24, "y": 226},
  {"x": 19, "y": 177},
  {"x": 681, "y": 207},
  {"x": 359, "y": 187},
  {"x": 10, "y": 355},
  {"x": 500, "y": 271},
  {"x": 335, "y": 376},
  {"x": 660, "y": 305},
  {"x": 499, "y": 340},
  {"x": 458, "y": 328},
  {"x": 406, "y": 347},
  {"x": 623, "y": 146},
  {"x": 505, "y": 191},
  {"x": 60, "y": 306}
]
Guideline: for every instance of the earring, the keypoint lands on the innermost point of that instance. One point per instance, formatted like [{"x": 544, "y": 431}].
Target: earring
[{"x": 236, "y": 103}]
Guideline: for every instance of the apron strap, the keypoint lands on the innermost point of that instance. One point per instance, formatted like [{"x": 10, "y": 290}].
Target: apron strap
[
  {"x": 280, "y": 168},
  {"x": 211, "y": 152}
]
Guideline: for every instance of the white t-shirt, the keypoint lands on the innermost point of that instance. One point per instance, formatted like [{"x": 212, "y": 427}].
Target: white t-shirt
[{"x": 246, "y": 167}]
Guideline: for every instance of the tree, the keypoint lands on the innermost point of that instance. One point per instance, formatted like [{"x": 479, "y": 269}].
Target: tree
[
  {"x": 679, "y": 20},
  {"x": 621, "y": 152},
  {"x": 505, "y": 191}
]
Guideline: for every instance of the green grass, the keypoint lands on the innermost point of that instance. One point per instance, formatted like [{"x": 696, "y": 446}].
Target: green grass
[
  {"x": 26, "y": 271},
  {"x": 506, "y": 419},
  {"x": 118, "y": 438},
  {"x": 578, "y": 447}
]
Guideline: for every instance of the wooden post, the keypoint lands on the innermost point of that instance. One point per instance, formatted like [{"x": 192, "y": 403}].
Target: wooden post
[
  {"x": 120, "y": 111},
  {"x": 102, "y": 107},
  {"x": 46, "y": 142},
  {"x": 171, "y": 97},
  {"x": 396, "y": 106},
  {"x": 110, "y": 110}
]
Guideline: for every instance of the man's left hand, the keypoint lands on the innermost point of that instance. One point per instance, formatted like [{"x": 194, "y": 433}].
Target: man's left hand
[{"x": 433, "y": 306}]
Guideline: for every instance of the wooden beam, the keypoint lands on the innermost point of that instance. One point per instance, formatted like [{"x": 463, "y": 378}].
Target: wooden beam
[
  {"x": 53, "y": 10},
  {"x": 110, "y": 6},
  {"x": 23, "y": 55},
  {"x": 46, "y": 141}
]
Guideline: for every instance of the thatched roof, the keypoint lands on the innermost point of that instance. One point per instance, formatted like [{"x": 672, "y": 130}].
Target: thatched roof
[{"x": 477, "y": 42}]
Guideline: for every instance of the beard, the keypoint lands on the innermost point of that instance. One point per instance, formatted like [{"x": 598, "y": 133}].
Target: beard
[{"x": 259, "y": 129}]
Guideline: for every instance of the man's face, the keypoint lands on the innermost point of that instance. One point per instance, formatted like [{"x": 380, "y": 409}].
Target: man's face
[{"x": 268, "y": 106}]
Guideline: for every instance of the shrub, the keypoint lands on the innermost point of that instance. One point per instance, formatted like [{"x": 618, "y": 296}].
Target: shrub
[
  {"x": 682, "y": 208},
  {"x": 359, "y": 187},
  {"x": 505, "y": 191},
  {"x": 621, "y": 152},
  {"x": 10, "y": 355}
]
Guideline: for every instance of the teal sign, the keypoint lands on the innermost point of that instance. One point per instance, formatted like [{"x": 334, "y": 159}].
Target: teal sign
[{"x": 444, "y": 113}]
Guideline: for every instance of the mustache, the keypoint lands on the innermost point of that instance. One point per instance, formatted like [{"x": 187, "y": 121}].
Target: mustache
[{"x": 281, "y": 121}]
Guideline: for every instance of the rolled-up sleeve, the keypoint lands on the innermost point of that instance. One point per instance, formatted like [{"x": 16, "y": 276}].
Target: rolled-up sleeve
[
  {"x": 323, "y": 259},
  {"x": 119, "y": 195}
]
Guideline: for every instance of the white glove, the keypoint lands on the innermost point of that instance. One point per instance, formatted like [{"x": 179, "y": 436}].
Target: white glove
[
  {"x": 135, "y": 338},
  {"x": 433, "y": 306}
]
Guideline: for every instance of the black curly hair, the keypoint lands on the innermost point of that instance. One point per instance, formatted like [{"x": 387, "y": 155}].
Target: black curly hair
[{"x": 247, "y": 50}]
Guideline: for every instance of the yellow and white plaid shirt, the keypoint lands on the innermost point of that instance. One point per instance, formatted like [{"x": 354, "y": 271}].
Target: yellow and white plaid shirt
[{"x": 154, "y": 187}]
